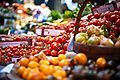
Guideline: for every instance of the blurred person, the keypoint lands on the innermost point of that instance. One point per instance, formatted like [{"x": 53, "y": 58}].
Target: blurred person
[{"x": 41, "y": 12}]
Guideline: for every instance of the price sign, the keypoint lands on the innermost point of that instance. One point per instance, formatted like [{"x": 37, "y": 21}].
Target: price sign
[
  {"x": 103, "y": 8},
  {"x": 16, "y": 43},
  {"x": 15, "y": 59},
  {"x": 52, "y": 32},
  {"x": 38, "y": 31}
]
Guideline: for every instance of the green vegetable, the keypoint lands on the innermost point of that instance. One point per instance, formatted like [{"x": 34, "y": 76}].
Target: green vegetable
[{"x": 55, "y": 15}]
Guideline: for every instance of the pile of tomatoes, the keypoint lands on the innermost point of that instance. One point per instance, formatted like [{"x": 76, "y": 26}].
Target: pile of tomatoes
[
  {"x": 79, "y": 67},
  {"x": 53, "y": 46},
  {"x": 7, "y": 53},
  {"x": 109, "y": 19}
]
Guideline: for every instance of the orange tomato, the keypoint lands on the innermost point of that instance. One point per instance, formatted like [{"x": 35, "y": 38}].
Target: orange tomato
[
  {"x": 61, "y": 57},
  {"x": 26, "y": 73},
  {"x": 24, "y": 61},
  {"x": 44, "y": 62},
  {"x": 21, "y": 69},
  {"x": 54, "y": 61},
  {"x": 64, "y": 62},
  {"x": 48, "y": 70},
  {"x": 33, "y": 64},
  {"x": 80, "y": 58},
  {"x": 59, "y": 74},
  {"x": 33, "y": 58},
  {"x": 37, "y": 75},
  {"x": 101, "y": 62}
]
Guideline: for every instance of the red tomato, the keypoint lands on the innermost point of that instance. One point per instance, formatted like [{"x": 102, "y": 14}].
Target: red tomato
[
  {"x": 39, "y": 43},
  {"x": 118, "y": 22},
  {"x": 97, "y": 15},
  {"x": 61, "y": 52},
  {"x": 55, "y": 46},
  {"x": 47, "y": 51},
  {"x": 113, "y": 18},
  {"x": 107, "y": 14},
  {"x": 54, "y": 53},
  {"x": 61, "y": 39},
  {"x": 108, "y": 24},
  {"x": 39, "y": 39},
  {"x": 89, "y": 16},
  {"x": 65, "y": 46}
]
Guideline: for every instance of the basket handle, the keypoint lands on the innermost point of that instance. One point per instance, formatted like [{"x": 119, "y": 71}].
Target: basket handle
[{"x": 79, "y": 16}]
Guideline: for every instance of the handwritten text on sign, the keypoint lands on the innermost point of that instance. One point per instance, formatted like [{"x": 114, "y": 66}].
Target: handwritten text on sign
[
  {"x": 17, "y": 43},
  {"x": 52, "y": 32},
  {"x": 103, "y": 8}
]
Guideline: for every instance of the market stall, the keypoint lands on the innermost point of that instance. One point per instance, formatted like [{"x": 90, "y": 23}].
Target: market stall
[{"x": 83, "y": 44}]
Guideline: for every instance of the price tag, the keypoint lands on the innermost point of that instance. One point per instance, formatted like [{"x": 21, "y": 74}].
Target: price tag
[
  {"x": 103, "y": 8},
  {"x": 17, "y": 43},
  {"x": 15, "y": 59},
  {"x": 39, "y": 31},
  {"x": 52, "y": 32}
]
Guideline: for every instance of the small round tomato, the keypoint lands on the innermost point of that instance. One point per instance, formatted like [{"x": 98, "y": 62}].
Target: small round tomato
[
  {"x": 24, "y": 61},
  {"x": 54, "y": 53},
  {"x": 113, "y": 18},
  {"x": 61, "y": 52},
  {"x": 118, "y": 22},
  {"x": 101, "y": 62},
  {"x": 47, "y": 51},
  {"x": 97, "y": 15},
  {"x": 65, "y": 46},
  {"x": 55, "y": 46},
  {"x": 89, "y": 16}
]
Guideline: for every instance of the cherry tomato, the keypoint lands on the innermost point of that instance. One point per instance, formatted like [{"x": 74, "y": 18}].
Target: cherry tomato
[
  {"x": 54, "y": 53},
  {"x": 118, "y": 22},
  {"x": 113, "y": 18},
  {"x": 55, "y": 46},
  {"x": 97, "y": 15},
  {"x": 47, "y": 51},
  {"x": 61, "y": 52}
]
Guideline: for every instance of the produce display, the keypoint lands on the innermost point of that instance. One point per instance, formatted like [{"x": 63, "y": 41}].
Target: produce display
[
  {"x": 51, "y": 46},
  {"x": 63, "y": 68},
  {"x": 46, "y": 57},
  {"x": 100, "y": 29}
]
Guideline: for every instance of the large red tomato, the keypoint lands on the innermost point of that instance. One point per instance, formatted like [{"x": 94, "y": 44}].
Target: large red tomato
[
  {"x": 61, "y": 52},
  {"x": 55, "y": 46},
  {"x": 54, "y": 53}
]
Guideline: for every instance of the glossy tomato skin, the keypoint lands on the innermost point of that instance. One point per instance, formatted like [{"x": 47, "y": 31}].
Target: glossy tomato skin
[
  {"x": 54, "y": 53},
  {"x": 113, "y": 18},
  {"x": 47, "y": 51},
  {"x": 97, "y": 15},
  {"x": 61, "y": 52},
  {"x": 55, "y": 46},
  {"x": 90, "y": 16},
  {"x": 65, "y": 46},
  {"x": 118, "y": 22}
]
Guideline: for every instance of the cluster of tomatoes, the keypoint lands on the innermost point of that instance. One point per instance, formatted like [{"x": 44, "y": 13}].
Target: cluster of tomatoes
[
  {"x": 109, "y": 19},
  {"x": 7, "y": 53},
  {"x": 79, "y": 67},
  {"x": 53, "y": 46}
]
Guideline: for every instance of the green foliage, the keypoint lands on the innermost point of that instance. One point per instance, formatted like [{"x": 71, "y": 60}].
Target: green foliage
[
  {"x": 68, "y": 14},
  {"x": 55, "y": 15},
  {"x": 85, "y": 12}
]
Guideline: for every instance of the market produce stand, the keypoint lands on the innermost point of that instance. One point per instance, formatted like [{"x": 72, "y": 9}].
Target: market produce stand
[{"x": 46, "y": 57}]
